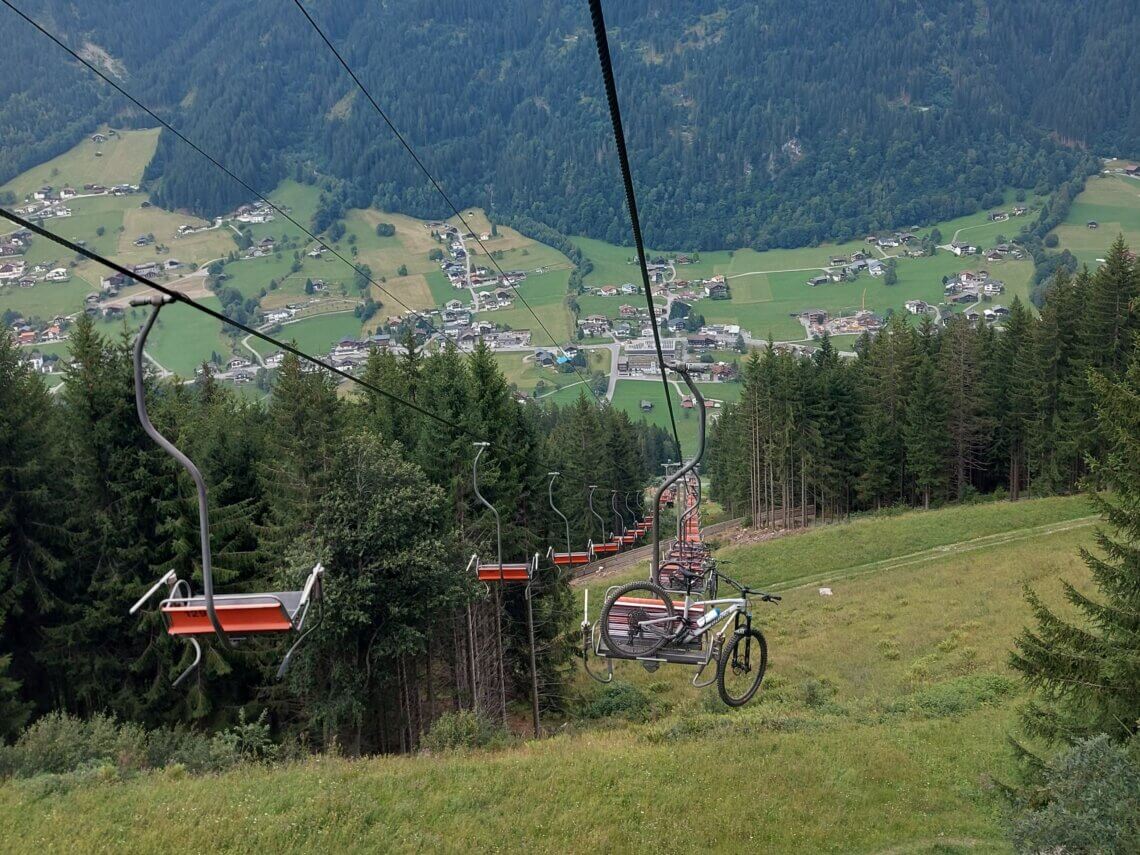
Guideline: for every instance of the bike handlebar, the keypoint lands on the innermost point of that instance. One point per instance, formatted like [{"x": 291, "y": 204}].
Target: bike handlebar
[{"x": 746, "y": 591}]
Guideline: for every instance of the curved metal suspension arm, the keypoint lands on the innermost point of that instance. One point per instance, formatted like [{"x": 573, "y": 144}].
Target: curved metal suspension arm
[
  {"x": 482, "y": 446},
  {"x": 683, "y": 471},
  {"x": 617, "y": 513},
  {"x": 632, "y": 513},
  {"x": 601, "y": 522},
  {"x": 199, "y": 482},
  {"x": 692, "y": 509},
  {"x": 553, "y": 507}
]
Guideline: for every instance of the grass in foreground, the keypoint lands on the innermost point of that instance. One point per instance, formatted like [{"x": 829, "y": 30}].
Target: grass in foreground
[{"x": 883, "y": 717}]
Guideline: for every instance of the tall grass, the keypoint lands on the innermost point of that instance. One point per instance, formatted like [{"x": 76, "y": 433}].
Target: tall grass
[{"x": 882, "y": 720}]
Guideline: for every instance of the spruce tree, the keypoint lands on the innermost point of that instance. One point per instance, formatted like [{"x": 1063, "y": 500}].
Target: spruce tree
[
  {"x": 32, "y": 546},
  {"x": 960, "y": 371},
  {"x": 1084, "y": 665},
  {"x": 927, "y": 441}
]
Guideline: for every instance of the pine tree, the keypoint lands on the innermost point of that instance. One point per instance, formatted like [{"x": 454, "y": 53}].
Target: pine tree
[
  {"x": 1086, "y": 671},
  {"x": 32, "y": 549},
  {"x": 927, "y": 442},
  {"x": 104, "y": 657},
  {"x": 960, "y": 371}
]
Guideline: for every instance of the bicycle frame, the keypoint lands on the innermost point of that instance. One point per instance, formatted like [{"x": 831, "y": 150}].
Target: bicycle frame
[{"x": 687, "y": 632}]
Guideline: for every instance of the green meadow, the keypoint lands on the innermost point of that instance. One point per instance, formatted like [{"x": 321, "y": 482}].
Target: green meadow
[
  {"x": 315, "y": 334},
  {"x": 881, "y": 727},
  {"x": 1113, "y": 202}
]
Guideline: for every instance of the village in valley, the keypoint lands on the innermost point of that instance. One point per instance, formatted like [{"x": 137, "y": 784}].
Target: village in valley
[{"x": 467, "y": 280}]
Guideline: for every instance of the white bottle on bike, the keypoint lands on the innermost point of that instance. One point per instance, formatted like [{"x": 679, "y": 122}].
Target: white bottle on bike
[{"x": 708, "y": 617}]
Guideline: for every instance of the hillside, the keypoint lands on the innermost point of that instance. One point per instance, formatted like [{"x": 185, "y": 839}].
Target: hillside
[
  {"x": 882, "y": 724},
  {"x": 750, "y": 124}
]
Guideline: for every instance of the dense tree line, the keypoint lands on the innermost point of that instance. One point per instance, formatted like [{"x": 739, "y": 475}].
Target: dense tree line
[
  {"x": 91, "y": 513},
  {"x": 749, "y": 124},
  {"x": 925, "y": 415}
]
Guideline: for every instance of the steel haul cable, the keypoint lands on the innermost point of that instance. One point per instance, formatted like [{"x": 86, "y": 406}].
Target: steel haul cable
[
  {"x": 599, "y": 22},
  {"x": 220, "y": 166},
  {"x": 443, "y": 194}
]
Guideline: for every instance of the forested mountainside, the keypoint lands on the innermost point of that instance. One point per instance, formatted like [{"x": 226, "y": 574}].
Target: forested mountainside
[{"x": 750, "y": 123}]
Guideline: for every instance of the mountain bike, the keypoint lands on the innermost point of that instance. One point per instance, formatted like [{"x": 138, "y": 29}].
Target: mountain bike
[{"x": 639, "y": 619}]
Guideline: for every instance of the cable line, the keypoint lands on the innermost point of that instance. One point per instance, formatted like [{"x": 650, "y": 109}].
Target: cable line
[
  {"x": 218, "y": 164},
  {"x": 180, "y": 297},
  {"x": 407, "y": 146},
  {"x": 630, "y": 196}
]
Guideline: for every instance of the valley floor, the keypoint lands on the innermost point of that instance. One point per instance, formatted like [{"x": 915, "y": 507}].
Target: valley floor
[{"x": 882, "y": 728}]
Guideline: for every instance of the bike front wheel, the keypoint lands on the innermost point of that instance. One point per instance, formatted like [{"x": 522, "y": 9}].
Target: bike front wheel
[
  {"x": 638, "y": 619},
  {"x": 741, "y": 667}
]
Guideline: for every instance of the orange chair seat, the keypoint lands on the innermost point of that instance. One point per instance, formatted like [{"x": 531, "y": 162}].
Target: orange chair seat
[
  {"x": 238, "y": 615},
  {"x": 571, "y": 559},
  {"x": 606, "y": 548},
  {"x": 509, "y": 573}
]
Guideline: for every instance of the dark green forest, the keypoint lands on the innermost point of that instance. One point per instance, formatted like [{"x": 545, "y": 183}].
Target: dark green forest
[
  {"x": 749, "y": 124},
  {"x": 933, "y": 414},
  {"x": 92, "y": 512}
]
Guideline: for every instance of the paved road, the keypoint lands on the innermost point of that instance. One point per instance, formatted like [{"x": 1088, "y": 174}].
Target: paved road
[{"x": 615, "y": 352}]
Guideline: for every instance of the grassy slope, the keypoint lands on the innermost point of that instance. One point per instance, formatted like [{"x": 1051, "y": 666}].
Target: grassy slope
[
  {"x": 124, "y": 157},
  {"x": 872, "y": 733},
  {"x": 769, "y": 287},
  {"x": 1114, "y": 202}
]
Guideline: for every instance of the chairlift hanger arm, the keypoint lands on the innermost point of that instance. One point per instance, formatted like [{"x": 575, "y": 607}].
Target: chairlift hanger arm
[
  {"x": 156, "y": 303},
  {"x": 553, "y": 507},
  {"x": 702, "y": 417}
]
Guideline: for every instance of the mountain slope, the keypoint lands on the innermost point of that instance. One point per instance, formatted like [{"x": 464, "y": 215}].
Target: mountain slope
[
  {"x": 756, "y": 124},
  {"x": 884, "y": 715}
]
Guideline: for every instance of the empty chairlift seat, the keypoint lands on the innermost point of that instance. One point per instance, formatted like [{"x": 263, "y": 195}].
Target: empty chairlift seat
[
  {"x": 607, "y": 548},
  {"x": 241, "y": 614},
  {"x": 506, "y": 572},
  {"x": 568, "y": 559}
]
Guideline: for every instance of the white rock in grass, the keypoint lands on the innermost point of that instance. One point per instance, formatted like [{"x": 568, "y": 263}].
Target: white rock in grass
[{"x": 825, "y": 592}]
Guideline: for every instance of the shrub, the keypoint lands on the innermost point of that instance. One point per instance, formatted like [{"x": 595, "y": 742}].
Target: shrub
[
  {"x": 956, "y": 696},
  {"x": 815, "y": 693},
  {"x": 460, "y": 730},
  {"x": 1087, "y": 800},
  {"x": 59, "y": 743},
  {"x": 64, "y": 745},
  {"x": 246, "y": 740},
  {"x": 619, "y": 700}
]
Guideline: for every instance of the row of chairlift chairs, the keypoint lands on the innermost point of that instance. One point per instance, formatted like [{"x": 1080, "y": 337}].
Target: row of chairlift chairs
[
  {"x": 687, "y": 566},
  {"x": 234, "y": 617},
  {"x": 639, "y": 620}
]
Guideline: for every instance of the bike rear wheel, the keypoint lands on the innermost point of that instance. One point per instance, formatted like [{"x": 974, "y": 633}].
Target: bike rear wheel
[
  {"x": 638, "y": 619},
  {"x": 741, "y": 667}
]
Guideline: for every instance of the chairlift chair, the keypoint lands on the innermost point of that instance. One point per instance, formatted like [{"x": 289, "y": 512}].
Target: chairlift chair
[
  {"x": 569, "y": 558},
  {"x": 228, "y": 616},
  {"x": 604, "y": 547},
  {"x": 689, "y": 556},
  {"x": 497, "y": 571},
  {"x": 626, "y": 538}
]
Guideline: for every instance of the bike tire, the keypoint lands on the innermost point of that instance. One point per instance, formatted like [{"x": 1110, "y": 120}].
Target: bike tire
[
  {"x": 636, "y": 644},
  {"x": 757, "y": 664}
]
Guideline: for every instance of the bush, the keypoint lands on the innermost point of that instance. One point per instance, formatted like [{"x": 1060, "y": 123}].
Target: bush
[
  {"x": 248, "y": 741},
  {"x": 816, "y": 693},
  {"x": 619, "y": 700},
  {"x": 460, "y": 730},
  {"x": 1087, "y": 800},
  {"x": 956, "y": 696},
  {"x": 64, "y": 745}
]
